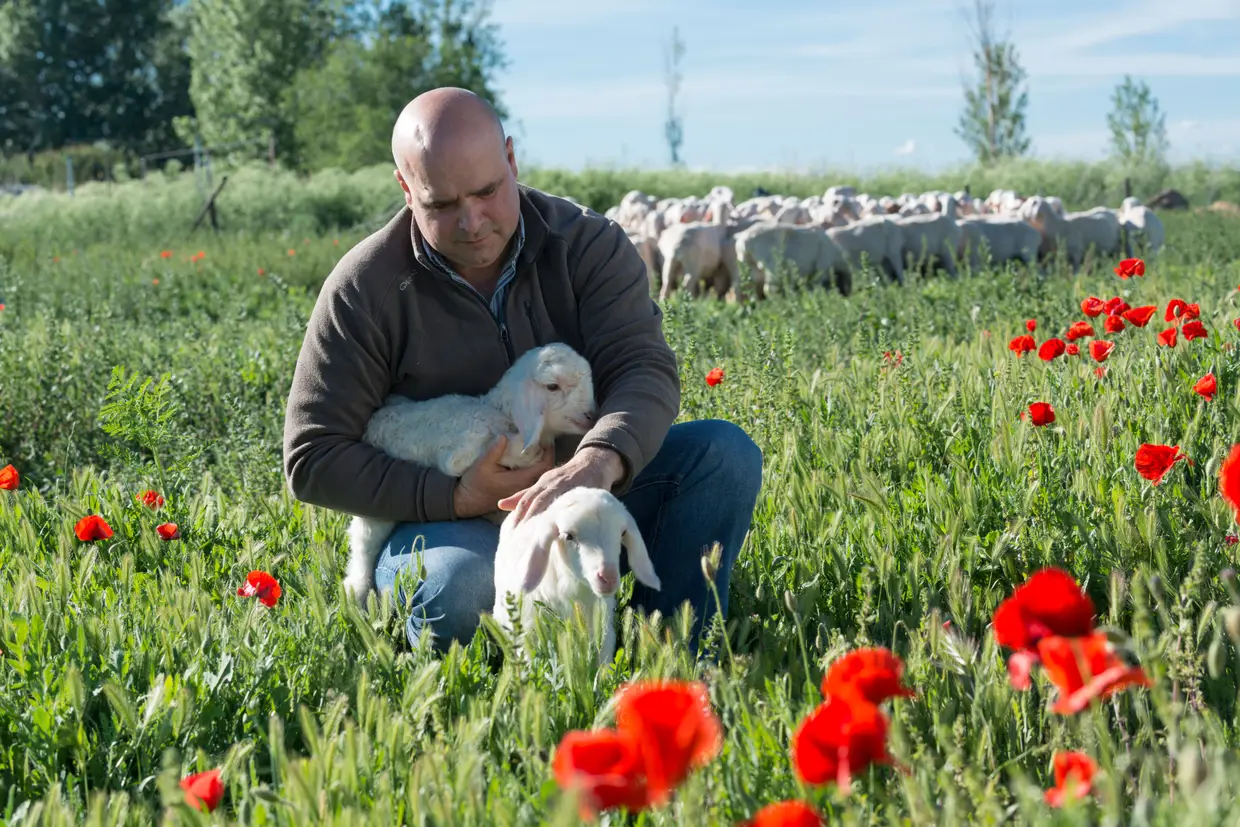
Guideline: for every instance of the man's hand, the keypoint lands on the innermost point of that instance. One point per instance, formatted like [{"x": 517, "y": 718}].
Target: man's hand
[
  {"x": 591, "y": 467},
  {"x": 486, "y": 481}
]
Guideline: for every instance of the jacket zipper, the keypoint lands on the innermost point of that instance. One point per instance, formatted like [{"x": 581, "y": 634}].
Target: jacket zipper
[{"x": 503, "y": 328}]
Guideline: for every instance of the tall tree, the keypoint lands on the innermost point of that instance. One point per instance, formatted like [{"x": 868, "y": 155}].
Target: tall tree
[
  {"x": 1138, "y": 126},
  {"x": 81, "y": 71},
  {"x": 674, "y": 126},
  {"x": 395, "y": 51},
  {"x": 245, "y": 56},
  {"x": 993, "y": 122}
]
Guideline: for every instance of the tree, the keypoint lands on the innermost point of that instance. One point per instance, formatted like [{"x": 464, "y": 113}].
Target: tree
[
  {"x": 1138, "y": 126},
  {"x": 394, "y": 52},
  {"x": 82, "y": 71},
  {"x": 245, "y": 56},
  {"x": 993, "y": 122},
  {"x": 673, "y": 127}
]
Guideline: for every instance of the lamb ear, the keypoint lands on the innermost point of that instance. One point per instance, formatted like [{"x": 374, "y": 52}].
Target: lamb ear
[
  {"x": 639, "y": 557},
  {"x": 529, "y": 413},
  {"x": 535, "y": 560}
]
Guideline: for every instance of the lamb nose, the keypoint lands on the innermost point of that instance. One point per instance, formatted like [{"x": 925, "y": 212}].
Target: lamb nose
[{"x": 606, "y": 579}]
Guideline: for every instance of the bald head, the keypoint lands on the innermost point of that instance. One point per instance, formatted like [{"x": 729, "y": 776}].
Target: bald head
[
  {"x": 459, "y": 176},
  {"x": 442, "y": 118}
]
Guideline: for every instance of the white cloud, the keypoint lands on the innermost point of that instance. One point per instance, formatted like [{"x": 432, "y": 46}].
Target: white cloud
[
  {"x": 564, "y": 14},
  {"x": 907, "y": 147}
]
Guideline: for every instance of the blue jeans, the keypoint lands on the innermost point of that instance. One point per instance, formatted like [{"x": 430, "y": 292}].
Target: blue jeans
[{"x": 700, "y": 488}]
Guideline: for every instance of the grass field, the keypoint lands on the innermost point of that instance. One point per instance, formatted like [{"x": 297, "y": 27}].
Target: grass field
[{"x": 899, "y": 494}]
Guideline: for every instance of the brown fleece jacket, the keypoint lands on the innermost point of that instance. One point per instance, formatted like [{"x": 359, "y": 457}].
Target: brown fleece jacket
[{"x": 387, "y": 321}]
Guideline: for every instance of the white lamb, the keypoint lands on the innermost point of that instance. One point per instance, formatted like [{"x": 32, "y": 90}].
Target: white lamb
[
  {"x": 585, "y": 528},
  {"x": 808, "y": 250},
  {"x": 547, "y": 392},
  {"x": 878, "y": 239}
]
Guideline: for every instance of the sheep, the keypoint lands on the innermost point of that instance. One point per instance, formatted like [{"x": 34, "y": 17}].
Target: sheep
[
  {"x": 935, "y": 236},
  {"x": 1006, "y": 237},
  {"x": 548, "y": 392},
  {"x": 813, "y": 254},
  {"x": 695, "y": 251},
  {"x": 648, "y": 248},
  {"x": 586, "y": 528},
  {"x": 877, "y": 238},
  {"x": 1075, "y": 233},
  {"x": 1145, "y": 228}
]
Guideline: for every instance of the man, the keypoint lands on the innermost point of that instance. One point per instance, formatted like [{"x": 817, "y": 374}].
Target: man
[{"x": 473, "y": 272}]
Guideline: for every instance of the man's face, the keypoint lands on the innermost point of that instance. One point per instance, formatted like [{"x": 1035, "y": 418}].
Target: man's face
[{"x": 465, "y": 199}]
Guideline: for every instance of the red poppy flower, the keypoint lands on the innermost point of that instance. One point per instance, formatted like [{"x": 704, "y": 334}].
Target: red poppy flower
[
  {"x": 785, "y": 814},
  {"x": 260, "y": 271},
  {"x": 675, "y": 729},
  {"x": 1232, "y": 539},
  {"x": 1079, "y": 330},
  {"x": 1229, "y": 480},
  {"x": 9, "y": 478},
  {"x": 1194, "y": 330},
  {"x": 1100, "y": 349},
  {"x": 1074, "y": 775},
  {"x": 714, "y": 376},
  {"x": 841, "y": 737},
  {"x": 292, "y": 252},
  {"x": 1182, "y": 310},
  {"x": 1115, "y": 306},
  {"x": 204, "y": 789},
  {"x": 168, "y": 531},
  {"x": 92, "y": 528},
  {"x": 1167, "y": 337},
  {"x": 1074, "y": 349},
  {"x": 1050, "y": 349},
  {"x": 1041, "y": 413},
  {"x": 263, "y": 585},
  {"x": 1154, "y": 461},
  {"x": 165, "y": 254},
  {"x": 1207, "y": 386},
  {"x": 1092, "y": 307},
  {"x": 1140, "y": 316},
  {"x": 151, "y": 499},
  {"x": 1022, "y": 345},
  {"x": 1114, "y": 324},
  {"x": 1031, "y": 325},
  {"x": 606, "y": 766},
  {"x": 1130, "y": 267},
  {"x": 1100, "y": 371},
  {"x": 1050, "y": 602},
  {"x": 872, "y": 674},
  {"x": 1084, "y": 669},
  {"x": 1236, "y": 322}
]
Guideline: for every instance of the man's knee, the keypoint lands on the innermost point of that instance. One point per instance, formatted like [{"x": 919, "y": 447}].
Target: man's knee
[{"x": 729, "y": 455}]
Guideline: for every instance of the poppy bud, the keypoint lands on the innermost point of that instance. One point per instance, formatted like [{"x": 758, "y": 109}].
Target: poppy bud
[
  {"x": 790, "y": 600},
  {"x": 1231, "y": 622},
  {"x": 1228, "y": 576},
  {"x": 1216, "y": 657}
]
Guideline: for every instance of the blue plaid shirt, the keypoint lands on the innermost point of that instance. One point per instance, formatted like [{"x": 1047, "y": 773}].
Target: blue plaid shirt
[{"x": 505, "y": 276}]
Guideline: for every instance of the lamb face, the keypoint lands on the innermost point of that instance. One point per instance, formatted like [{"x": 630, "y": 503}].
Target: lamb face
[{"x": 592, "y": 528}]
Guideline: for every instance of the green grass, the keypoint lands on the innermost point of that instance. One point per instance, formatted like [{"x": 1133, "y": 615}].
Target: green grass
[{"x": 894, "y": 499}]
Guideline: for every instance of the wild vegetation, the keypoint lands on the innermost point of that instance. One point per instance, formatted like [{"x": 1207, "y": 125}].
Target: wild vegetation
[{"x": 904, "y": 497}]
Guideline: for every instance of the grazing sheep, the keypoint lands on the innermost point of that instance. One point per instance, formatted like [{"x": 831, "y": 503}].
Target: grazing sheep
[
  {"x": 1074, "y": 233},
  {"x": 696, "y": 251},
  {"x": 878, "y": 239},
  {"x": 1145, "y": 228},
  {"x": 1006, "y": 238},
  {"x": 586, "y": 529},
  {"x": 809, "y": 250},
  {"x": 547, "y": 392},
  {"x": 931, "y": 238},
  {"x": 648, "y": 249}
]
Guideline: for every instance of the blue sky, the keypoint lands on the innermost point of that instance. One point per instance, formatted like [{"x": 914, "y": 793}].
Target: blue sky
[{"x": 808, "y": 85}]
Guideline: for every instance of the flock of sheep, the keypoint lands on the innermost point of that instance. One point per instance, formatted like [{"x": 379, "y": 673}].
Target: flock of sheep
[{"x": 699, "y": 244}]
